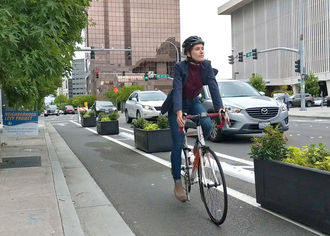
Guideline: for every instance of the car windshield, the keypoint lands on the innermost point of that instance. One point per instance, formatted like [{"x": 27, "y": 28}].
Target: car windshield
[
  {"x": 152, "y": 96},
  {"x": 52, "y": 107},
  {"x": 69, "y": 107},
  {"x": 104, "y": 104},
  {"x": 237, "y": 89}
]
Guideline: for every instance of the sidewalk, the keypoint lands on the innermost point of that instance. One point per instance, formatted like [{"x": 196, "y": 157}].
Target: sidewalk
[
  {"x": 53, "y": 194},
  {"x": 311, "y": 112}
]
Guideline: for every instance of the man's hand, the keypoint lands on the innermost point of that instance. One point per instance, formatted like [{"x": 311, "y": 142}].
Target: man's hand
[
  {"x": 179, "y": 118},
  {"x": 223, "y": 110}
]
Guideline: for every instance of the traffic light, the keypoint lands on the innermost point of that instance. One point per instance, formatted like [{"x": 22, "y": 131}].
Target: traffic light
[
  {"x": 97, "y": 74},
  {"x": 254, "y": 54},
  {"x": 240, "y": 56},
  {"x": 129, "y": 54},
  {"x": 146, "y": 77},
  {"x": 231, "y": 59},
  {"x": 297, "y": 66},
  {"x": 92, "y": 53}
]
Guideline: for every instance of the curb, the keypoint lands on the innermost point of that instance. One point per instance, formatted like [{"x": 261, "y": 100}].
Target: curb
[
  {"x": 315, "y": 117},
  {"x": 70, "y": 221}
]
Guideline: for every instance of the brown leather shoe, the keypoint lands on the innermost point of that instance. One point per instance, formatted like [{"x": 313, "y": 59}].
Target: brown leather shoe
[{"x": 179, "y": 192}]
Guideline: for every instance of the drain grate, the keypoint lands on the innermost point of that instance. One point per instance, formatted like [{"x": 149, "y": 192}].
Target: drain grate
[{"x": 18, "y": 162}]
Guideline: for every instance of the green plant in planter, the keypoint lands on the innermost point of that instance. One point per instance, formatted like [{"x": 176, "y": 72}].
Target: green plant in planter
[
  {"x": 271, "y": 146},
  {"x": 114, "y": 115},
  {"x": 140, "y": 123},
  {"x": 151, "y": 126},
  {"x": 89, "y": 114},
  {"x": 162, "y": 122},
  {"x": 105, "y": 118}
]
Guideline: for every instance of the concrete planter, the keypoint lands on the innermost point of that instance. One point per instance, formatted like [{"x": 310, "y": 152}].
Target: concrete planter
[
  {"x": 88, "y": 122},
  {"x": 107, "y": 127},
  {"x": 153, "y": 140},
  {"x": 300, "y": 193}
]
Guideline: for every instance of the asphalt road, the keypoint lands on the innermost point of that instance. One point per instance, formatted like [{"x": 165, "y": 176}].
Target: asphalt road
[{"x": 141, "y": 188}]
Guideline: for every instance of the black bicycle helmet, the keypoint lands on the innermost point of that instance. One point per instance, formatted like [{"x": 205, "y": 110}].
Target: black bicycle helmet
[{"x": 190, "y": 42}]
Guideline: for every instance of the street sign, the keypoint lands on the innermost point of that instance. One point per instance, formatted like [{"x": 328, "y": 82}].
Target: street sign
[
  {"x": 160, "y": 76},
  {"x": 248, "y": 54}
]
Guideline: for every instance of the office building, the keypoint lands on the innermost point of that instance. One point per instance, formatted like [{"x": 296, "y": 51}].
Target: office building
[
  {"x": 266, "y": 24},
  {"x": 150, "y": 28}
]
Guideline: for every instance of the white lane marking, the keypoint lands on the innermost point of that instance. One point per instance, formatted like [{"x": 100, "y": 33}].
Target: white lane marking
[
  {"x": 126, "y": 135},
  {"x": 234, "y": 193},
  {"x": 129, "y": 130}
]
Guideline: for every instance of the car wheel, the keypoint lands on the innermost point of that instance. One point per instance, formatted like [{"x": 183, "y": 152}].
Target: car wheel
[
  {"x": 138, "y": 114},
  {"x": 215, "y": 135},
  {"x": 45, "y": 115},
  {"x": 308, "y": 104},
  {"x": 127, "y": 118}
]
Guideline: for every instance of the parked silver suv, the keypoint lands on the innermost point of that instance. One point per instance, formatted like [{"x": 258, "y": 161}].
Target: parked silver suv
[
  {"x": 248, "y": 110},
  {"x": 144, "y": 104}
]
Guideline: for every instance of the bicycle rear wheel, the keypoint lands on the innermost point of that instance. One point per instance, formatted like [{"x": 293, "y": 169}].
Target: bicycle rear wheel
[{"x": 212, "y": 186}]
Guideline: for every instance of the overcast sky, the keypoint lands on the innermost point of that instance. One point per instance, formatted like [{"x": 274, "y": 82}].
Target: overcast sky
[{"x": 200, "y": 17}]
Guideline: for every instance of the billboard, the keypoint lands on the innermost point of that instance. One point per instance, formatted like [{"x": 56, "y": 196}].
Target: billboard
[{"x": 20, "y": 123}]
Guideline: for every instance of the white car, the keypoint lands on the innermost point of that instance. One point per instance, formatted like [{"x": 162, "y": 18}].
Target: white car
[{"x": 144, "y": 104}]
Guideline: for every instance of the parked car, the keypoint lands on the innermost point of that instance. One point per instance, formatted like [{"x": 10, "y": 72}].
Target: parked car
[
  {"x": 51, "y": 110},
  {"x": 318, "y": 101},
  {"x": 144, "y": 104},
  {"x": 248, "y": 110},
  {"x": 103, "y": 106},
  {"x": 296, "y": 100},
  {"x": 68, "y": 109},
  {"x": 328, "y": 101}
]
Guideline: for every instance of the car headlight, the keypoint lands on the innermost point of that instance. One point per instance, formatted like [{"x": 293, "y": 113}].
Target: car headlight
[
  {"x": 283, "y": 108},
  {"x": 147, "y": 107},
  {"x": 233, "y": 109}
]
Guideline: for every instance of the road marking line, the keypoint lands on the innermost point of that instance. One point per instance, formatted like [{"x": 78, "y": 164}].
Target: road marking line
[
  {"x": 234, "y": 193},
  {"x": 129, "y": 130}
]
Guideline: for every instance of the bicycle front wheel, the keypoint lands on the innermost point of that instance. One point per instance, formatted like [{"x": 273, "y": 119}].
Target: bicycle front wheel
[{"x": 213, "y": 186}]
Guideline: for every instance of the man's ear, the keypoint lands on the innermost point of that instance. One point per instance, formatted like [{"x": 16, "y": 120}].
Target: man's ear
[{"x": 188, "y": 54}]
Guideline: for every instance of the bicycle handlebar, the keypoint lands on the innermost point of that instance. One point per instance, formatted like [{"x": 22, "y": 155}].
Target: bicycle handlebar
[{"x": 211, "y": 115}]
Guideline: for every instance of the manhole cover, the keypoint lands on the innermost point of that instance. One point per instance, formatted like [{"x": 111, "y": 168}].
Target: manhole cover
[{"x": 17, "y": 162}]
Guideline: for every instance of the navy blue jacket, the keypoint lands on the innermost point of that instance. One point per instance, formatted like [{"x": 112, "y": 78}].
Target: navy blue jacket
[{"x": 181, "y": 72}]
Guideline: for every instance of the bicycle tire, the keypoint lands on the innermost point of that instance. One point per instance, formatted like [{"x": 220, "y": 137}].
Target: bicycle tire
[
  {"x": 186, "y": 176},
  {"x": 214, "y": 197}
]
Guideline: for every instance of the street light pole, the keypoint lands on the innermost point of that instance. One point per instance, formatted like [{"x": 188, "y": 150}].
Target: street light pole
[
  {"x": 302, "y": 56},
  {"x": 177, "y": 50}
]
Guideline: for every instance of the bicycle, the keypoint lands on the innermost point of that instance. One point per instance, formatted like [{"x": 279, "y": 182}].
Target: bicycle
[{"x": 211, "y": 178}]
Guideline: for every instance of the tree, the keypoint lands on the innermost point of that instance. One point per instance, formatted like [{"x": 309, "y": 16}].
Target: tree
[
  {"x": 61, "y": 100},
  {"x": 79, "y": 101},
  {"x": 37, "y": 41},
  {"x": 258, "y": 82},
  {"x": 122, "y": 94},
  {"x": 312, "y": 85}
]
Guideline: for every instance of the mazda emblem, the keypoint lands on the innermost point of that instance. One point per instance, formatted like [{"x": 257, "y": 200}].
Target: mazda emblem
[{"x": 264, "y": 111}]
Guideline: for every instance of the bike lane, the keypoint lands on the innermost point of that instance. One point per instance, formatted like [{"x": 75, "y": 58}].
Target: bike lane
[{"x": 140, "y": 187}]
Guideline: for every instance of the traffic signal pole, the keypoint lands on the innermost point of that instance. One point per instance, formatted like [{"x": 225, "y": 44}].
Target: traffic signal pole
[{"x": 302, "y": 57}]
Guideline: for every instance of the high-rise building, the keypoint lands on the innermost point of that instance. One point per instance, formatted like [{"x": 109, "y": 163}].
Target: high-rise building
[
  {"x": 266, "y": 24},
  {"x": 77, "y": 85},
  {"x": 150, "y": 28}
]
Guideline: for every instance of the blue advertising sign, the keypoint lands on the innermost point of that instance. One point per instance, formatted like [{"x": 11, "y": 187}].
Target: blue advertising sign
[{"x": 19, "y": 123}]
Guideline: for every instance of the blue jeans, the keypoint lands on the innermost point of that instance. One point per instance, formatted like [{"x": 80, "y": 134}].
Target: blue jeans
[{"x": 192, "y": 107}]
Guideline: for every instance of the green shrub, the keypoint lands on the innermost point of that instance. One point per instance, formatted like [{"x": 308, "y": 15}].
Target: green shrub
[
  {"x": 89, "y": 114},
  {"x": 114, "y": 115},
  {"x": 105, "y": 118},
  {"x": 312, "y": 156},
  {"x": 162, "y": 122},
  {"x": 271, "y": 146},
  {"x": 151, "y": 126},
  {"x": 140, "y": 123}
]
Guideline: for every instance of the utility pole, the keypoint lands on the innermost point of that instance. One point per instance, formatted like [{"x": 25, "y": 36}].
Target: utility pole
[{"x": 302, "y": 56}]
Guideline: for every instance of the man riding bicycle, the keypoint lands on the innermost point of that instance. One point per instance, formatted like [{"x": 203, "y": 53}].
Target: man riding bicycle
[{"x": 189, "y": 77}]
